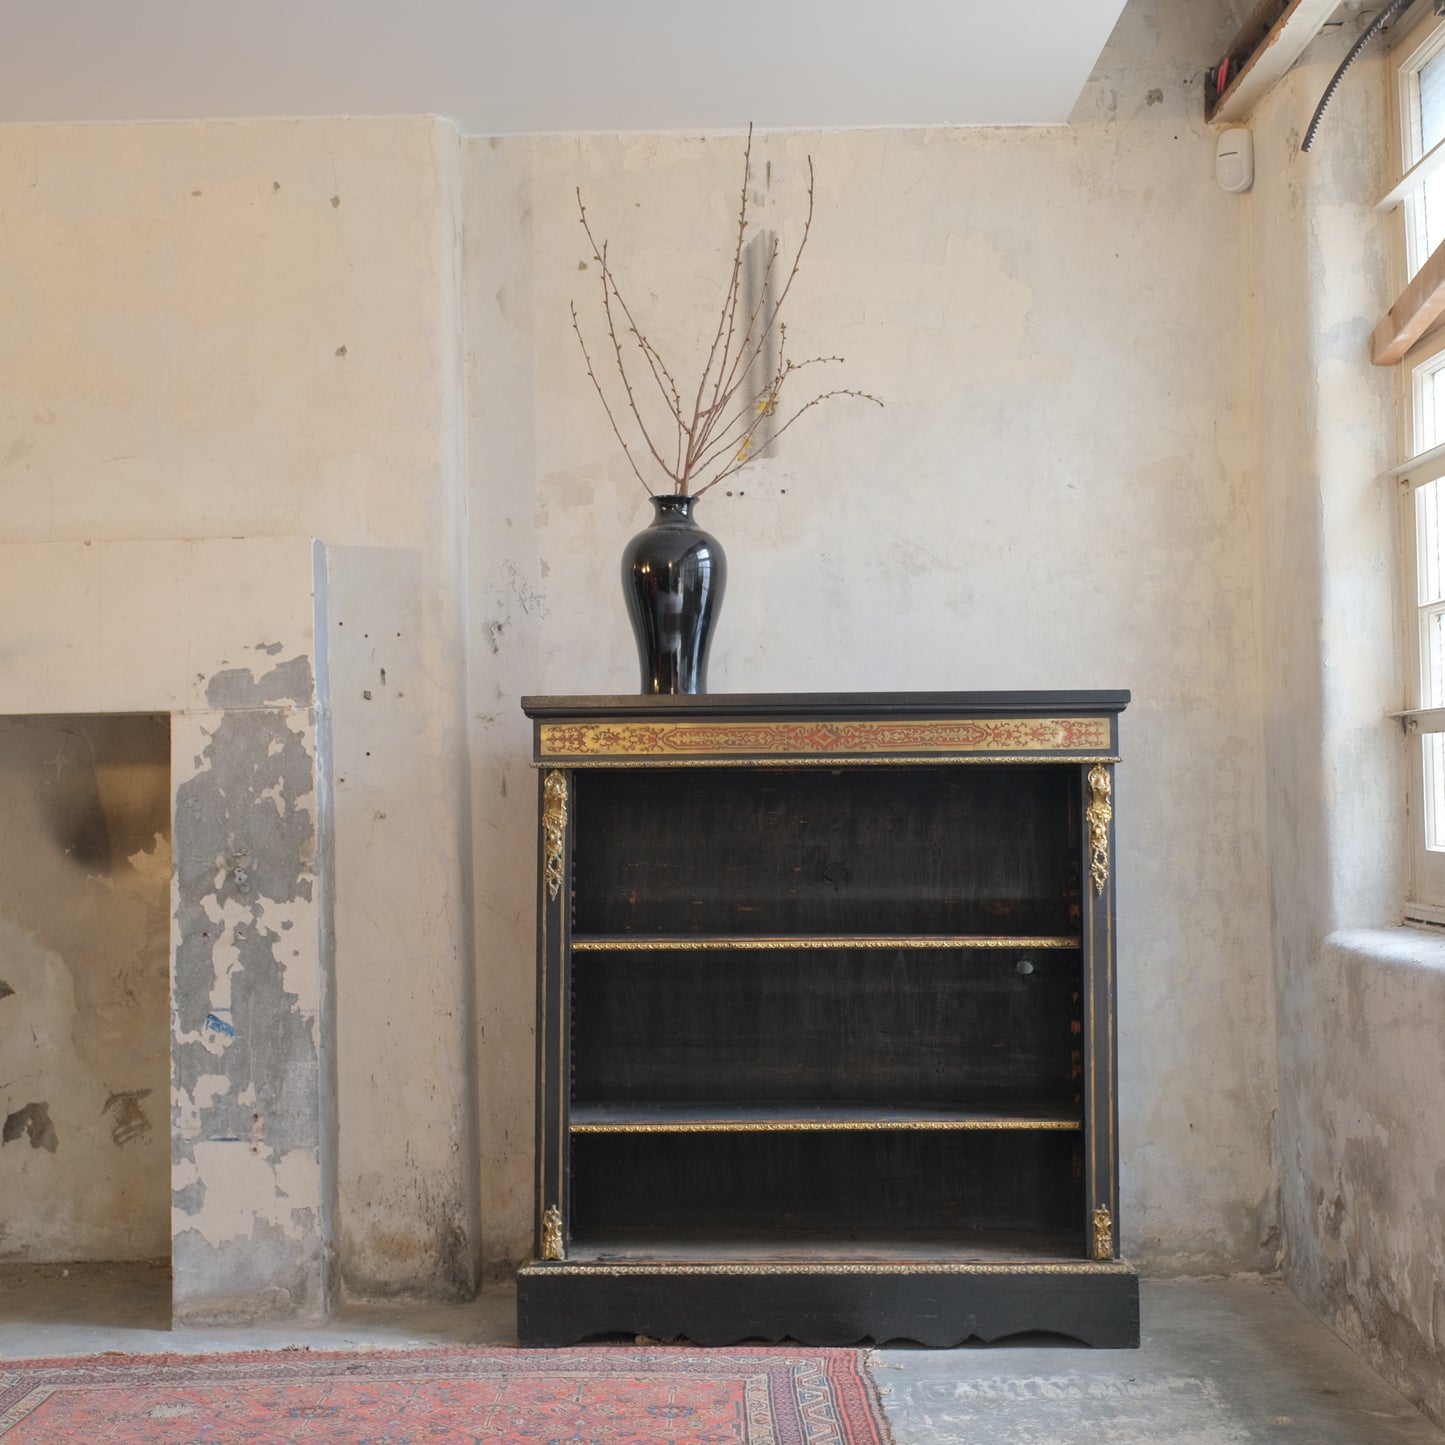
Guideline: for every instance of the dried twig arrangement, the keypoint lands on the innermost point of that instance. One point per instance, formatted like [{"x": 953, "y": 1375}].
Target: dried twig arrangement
[{"x": 729, "y": 420}]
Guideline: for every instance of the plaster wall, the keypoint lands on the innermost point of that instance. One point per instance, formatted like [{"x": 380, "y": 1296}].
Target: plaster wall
[
  {"x": 85, "y": 870},
  {"x": 510, "y": 604},
  {"x": 1080, "y": 479},
  {"x": 1361, "y": 1005},
  {"x": 1059, "y": 493},
  {"x": 1326, "y": 433},
  {"x": 223, "y": 329}
]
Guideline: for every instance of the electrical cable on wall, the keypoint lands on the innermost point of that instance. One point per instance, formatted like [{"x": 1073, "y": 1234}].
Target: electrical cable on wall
[{"x": 1392, "y": 9}]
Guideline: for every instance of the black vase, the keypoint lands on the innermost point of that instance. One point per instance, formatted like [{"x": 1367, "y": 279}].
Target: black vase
[{"x": 673, "y": 575}]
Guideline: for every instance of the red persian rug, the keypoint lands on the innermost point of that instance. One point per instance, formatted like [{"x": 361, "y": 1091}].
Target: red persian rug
[{"x": 448, "y": 1396}]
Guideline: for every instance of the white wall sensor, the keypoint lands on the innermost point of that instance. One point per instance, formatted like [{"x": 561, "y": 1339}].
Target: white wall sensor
[{"x": 1234, "y": 159}]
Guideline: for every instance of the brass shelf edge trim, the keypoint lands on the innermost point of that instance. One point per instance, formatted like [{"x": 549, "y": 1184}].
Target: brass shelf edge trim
[
  {"x": 768, "y": 1126},
  {"x": 1083, "y": 1267},
  {"x": 812, "y": 760},
  {"x": 624, "y": 944}
]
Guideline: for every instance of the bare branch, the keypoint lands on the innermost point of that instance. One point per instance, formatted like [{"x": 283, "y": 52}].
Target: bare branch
[
  {"x": 670, "y": 394},
  {"x": 787, "y": 285},
  {"x": 609, "y": 288},
  {"x": 764, "y": 403},
  {"x": 611, "y": 291},
  {"x": 660, "y": 374},
  {"x": 729, "y": 310},
  {"x": 626, "y": 450},
  {"x": 727, "y": 388},
  {"x": 723, "y": 432},
  {"x": 739, "y": 250},
  {"x": 743, "y": 459}
]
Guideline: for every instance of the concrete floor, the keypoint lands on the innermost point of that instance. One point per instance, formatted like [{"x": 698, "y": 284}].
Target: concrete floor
[{"x": 1224, "y": 1362}]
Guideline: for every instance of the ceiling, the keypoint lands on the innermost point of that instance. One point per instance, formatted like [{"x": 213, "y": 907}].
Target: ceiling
[{"x": 517, "y": 66}]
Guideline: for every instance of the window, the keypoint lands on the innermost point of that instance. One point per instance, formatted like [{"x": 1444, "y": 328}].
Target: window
[
  {"x": 1422, "y": 99},
  {"x": 1424, "y": 554},
  {"x": 1419, "y": 70}
]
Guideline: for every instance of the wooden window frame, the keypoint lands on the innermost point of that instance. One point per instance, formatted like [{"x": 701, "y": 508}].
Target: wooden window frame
[
  {"x": 1420, "y": 305},
  {"x": 1416, "y": 340}
]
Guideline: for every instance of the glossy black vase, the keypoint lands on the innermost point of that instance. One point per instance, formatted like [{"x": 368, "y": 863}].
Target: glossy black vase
[{"x": 673, "y": 574}]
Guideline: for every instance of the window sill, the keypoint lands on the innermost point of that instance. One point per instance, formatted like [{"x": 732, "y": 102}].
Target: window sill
[
  {"x": 1415, "y": 948},
  {"x": 1424, "y": 916}
]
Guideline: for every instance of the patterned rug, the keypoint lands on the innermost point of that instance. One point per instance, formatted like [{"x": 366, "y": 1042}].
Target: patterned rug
[{"x": 448, "y": 1396}]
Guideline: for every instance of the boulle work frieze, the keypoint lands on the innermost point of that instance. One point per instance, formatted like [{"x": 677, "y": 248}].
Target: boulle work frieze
[{"x": 817, "y": 737}]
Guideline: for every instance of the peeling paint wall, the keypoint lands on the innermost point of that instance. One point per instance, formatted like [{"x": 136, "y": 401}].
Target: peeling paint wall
[
  {"x": 1361, "y": 1005},
  {"x": 1059, "y": 493},
  {"x": 247, "y": 1139},
  {"x": 251, "y": 329},
  {"x": 245, "y": 794},
  {"x": 85, "y": 865}
]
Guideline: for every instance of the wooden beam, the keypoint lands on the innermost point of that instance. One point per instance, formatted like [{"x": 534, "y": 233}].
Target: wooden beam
[
  {"x": 1261, "y": 21},
  {"x": 1263, "y": 60},
  {"x": 1418, "y": 308}
]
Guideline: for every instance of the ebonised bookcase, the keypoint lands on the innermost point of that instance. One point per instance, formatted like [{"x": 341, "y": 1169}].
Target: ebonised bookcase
[{"x": 825, "y": 1019}]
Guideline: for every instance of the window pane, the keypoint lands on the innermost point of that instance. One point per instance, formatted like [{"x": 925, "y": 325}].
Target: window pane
[
  {"x": 1432, "y": 132},
  {"x": 1434, "y": 746},
  {"x": 1432, "y": 103},
  {"x": 1424, "y": 129},
  {"x": 1430, "y": 543},
  {"x": 1432, "y": 658},
  {"x": 1430, "y": 403},
  {"x": 1432, "y": 212}
]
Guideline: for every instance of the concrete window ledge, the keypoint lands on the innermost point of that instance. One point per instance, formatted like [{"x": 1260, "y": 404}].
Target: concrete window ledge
[
  {"x": 1418, "y": 950},
  {"x": 1362, "y": 1060}
]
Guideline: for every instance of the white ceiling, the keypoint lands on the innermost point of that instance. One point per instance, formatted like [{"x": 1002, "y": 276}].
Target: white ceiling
[{"x": 516, "y": 66}]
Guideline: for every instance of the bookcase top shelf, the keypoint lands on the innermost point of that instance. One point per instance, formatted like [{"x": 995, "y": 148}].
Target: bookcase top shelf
[{"x": 831, "y": 704}]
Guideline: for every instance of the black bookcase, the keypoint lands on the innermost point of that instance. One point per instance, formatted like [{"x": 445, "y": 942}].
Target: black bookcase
[{"x": 826, "y": 1041}]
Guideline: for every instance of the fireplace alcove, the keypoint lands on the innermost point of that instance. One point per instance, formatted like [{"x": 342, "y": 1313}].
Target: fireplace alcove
[
  {"x": 219, "y": 644},
  {"x": 85, "y": 867}
]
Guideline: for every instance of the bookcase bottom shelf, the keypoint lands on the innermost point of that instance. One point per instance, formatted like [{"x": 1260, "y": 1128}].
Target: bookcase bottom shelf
[
  {"x": 835, "y": 1303},
  {"x": 782, "y": 1246}
]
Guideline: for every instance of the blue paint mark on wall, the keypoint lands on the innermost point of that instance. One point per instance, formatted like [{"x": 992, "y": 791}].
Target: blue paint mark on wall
[{"x": 220, "y": 1026}]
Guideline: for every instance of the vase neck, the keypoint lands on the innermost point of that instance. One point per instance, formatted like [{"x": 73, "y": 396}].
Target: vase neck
[{"x": 672, "y": 508}]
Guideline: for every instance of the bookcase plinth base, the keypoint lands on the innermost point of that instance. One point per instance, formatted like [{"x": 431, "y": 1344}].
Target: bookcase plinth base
[{"x": 1095, "y": 1304}]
